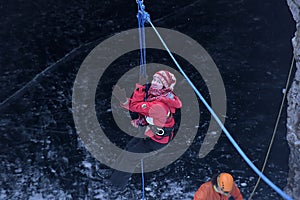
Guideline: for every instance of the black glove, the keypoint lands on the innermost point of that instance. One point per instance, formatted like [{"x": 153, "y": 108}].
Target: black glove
[{"x": 119, "y": 93}]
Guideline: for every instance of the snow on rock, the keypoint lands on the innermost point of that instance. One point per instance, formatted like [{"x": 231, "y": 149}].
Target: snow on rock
[
  {"x": 293, "y": 111},
  {"x": 243, "y": 184}
]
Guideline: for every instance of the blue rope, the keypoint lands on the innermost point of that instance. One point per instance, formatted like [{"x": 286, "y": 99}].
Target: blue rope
[
  {"x": 143, "y": 180},
  {"x": 143, "y": 17},
  {"x": 278, "y": 190}
]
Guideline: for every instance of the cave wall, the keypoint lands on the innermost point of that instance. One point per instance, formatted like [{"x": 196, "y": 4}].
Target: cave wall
[{"x": 293, "y": 111}]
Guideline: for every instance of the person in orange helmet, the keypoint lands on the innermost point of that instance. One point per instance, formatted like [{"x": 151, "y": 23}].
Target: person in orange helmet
[{"x": 221, "y": 187}]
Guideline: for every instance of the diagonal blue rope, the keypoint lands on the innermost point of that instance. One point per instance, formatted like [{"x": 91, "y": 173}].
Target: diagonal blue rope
[{"x": 270, "y": 183}]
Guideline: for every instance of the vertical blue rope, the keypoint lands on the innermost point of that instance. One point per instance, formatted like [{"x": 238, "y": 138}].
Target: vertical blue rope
[
  {"x": 143, "y": 17},
  {"x": 143, "y": 180},
  {"x": 271, "y": 184}
]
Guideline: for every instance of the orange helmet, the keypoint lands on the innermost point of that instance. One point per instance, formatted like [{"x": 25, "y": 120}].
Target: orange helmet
[{"x": 225, "y": 182}]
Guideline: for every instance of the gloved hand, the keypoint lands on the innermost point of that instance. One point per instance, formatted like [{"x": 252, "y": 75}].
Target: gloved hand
[
  {"x": 135, "y": 123},
  {"x": 119, "y": 93},
  {"x": 139, "y": 121}
]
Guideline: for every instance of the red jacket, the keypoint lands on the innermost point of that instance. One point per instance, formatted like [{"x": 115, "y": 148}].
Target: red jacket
[
  {"x": 160, "y": 110},
  {"x": 207, "y": 192}
]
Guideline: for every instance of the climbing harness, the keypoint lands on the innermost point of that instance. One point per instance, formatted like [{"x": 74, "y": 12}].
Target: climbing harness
[
  {"x": 145, "y": 17},
  {"x": 276, "y": 125}
]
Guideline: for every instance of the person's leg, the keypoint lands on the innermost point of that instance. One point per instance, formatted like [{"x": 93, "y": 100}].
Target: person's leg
[
  {"x": 134, "y": 141},
  {"x": 138, "y": 137},
  {"x": 153, "y": 146},
  {"x": 121, "y": 178}
]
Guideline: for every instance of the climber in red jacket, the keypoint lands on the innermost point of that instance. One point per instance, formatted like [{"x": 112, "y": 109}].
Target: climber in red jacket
[
  {"x": 155, "y": 105},
  {"x": 221, "y": 187}
]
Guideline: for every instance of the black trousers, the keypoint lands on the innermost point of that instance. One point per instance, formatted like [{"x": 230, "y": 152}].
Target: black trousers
[{"x": 135, "y": 145}]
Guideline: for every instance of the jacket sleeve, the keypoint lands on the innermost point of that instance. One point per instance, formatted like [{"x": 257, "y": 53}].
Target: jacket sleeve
[
  {"x": 137, "y": 104},
  {"x": 171, "y": 100},
  {"x": 144, "y": 107},
  {"x": 137, "y": 96},
  {"x": 236, "y": 193}
]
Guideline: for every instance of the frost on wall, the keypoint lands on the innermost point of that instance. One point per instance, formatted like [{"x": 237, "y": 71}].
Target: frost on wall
[{"x": 293, "y": 111}]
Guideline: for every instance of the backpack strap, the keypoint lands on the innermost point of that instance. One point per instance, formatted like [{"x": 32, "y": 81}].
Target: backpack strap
[{"x": 147, "y": 86}]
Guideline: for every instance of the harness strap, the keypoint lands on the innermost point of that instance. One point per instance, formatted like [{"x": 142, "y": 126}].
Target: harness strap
[{"x": 160, "y": 134}]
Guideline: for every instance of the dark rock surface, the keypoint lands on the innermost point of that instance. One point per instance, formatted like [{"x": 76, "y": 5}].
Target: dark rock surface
[{"x": 43, "y": 44}]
